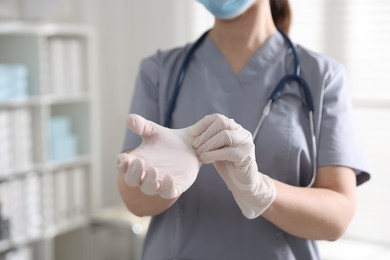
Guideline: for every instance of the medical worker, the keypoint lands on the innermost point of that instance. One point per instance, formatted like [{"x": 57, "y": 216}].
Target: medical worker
[{"x": 216, "y": 191}]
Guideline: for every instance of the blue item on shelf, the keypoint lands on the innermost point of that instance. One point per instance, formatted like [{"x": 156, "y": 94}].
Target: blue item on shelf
[
  {"x": 14, "y": 71},
  {"x": 64, "y": 144},
  {"x": 64, "y": 148},
  {"x": 60, "y": 126},
  {"x": 13, "y": 81}
]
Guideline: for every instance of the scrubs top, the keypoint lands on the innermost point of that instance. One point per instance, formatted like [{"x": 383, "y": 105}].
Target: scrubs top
[{"x": 205, "y": 223}]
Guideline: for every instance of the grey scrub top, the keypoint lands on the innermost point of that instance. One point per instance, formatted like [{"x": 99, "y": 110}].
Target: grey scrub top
[{"x": 205, "y": 223}]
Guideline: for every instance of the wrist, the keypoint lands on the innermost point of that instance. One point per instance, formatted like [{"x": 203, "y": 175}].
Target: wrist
[{"x": 254, "y": 202}]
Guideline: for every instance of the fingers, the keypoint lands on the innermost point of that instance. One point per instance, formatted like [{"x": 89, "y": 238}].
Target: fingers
[
  {"x": 138, "y": 174},
  {"x": 121, "y": 162},
  {"x": 135, "y": 172},
  {"x": 211, "y": 125},
  {"x": 150, "y": 184},
  {"x": 233, "y": 146},
  {"x": 140, "y": 125},
  {"x": 200, "y": 126},
  {"x": 220, "y": 140},
  {"x": 203, "y": 124},
  {"x": 168, "y": 189}
]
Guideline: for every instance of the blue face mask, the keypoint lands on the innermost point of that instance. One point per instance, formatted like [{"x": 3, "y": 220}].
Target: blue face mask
[{"x": 227, "y": 9}]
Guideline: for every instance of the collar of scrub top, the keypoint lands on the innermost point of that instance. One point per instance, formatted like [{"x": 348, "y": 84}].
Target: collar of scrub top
[{"x": 294, "y": 77}]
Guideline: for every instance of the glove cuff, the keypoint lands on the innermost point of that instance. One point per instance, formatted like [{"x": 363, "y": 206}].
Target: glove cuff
[{"x": 253, "y": 204}]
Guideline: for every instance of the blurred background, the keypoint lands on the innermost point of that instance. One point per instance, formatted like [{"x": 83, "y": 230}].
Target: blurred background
[{"x": 67, "y": 72}]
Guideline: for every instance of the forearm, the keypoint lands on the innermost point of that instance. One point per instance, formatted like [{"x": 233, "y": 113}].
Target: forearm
[
  {"x": 139, "y": 203},
  {"x": 322, "y": 212},
  {"x": 310, "y": 213}
]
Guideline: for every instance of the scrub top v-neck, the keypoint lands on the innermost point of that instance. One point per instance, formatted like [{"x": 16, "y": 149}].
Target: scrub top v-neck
[{"x": 205, "y": 223}]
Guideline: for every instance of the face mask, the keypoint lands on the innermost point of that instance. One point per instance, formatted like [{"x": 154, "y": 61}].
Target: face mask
[{"x": 227, "y": 9}]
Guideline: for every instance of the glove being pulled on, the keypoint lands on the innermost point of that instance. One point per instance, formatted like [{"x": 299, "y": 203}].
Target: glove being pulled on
[
  {"x": 164, "y": 163},
  {"x": 230, "y": 147}
]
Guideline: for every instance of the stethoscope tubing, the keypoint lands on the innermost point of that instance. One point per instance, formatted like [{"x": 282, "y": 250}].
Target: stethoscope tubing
[{"x": 296, "y": 76}]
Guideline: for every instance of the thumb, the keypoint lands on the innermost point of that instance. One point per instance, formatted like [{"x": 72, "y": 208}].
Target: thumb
[{"x": 141, "y": 126}]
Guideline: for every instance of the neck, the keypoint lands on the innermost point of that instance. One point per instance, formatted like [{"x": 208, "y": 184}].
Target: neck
[{"x": 238, "y": 39}]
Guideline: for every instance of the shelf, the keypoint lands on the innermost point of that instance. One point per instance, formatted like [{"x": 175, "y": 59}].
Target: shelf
[
  {"x": 38, "y": 192},
  {"x": 79, "y": 161},
  {"x": 21, "y": 102},
  {"x": 122, "y": 217},
  {"x": 45, "y": 100},
  {"x": 49, "y": 166},
  {"x": 6, "y": 175},
  {"x": 66, "y": 99},
  {"x": 6, "y": 245},
  {"x": 47, "y": 29},
  {"x": 65, "y": 228}
]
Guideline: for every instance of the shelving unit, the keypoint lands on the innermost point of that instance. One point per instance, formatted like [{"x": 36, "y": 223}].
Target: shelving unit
[{"x": 48, "y": 138}]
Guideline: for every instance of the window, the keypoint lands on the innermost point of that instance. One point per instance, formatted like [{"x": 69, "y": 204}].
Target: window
[{"x": 357, "y": 33}]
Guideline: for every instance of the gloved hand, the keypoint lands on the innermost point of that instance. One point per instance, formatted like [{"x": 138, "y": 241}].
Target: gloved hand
[
  {"x": 230, "y": 147},
  {"x": 165, "y": 162}
]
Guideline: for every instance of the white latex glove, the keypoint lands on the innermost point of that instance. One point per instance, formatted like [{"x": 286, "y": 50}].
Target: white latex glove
[
  {"x": 165, "y": 162},
  {"x": 230, "y": 147}
]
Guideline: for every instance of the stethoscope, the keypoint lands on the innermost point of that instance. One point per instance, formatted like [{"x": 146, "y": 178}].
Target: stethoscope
[{"x": 295, "y": 77}]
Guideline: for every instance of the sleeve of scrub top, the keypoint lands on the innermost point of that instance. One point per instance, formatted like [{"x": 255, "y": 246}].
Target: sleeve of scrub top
[
  {"x": 145, "y": 98},
  {"x": 338, "y": 139}
]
